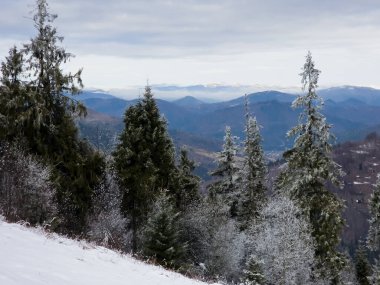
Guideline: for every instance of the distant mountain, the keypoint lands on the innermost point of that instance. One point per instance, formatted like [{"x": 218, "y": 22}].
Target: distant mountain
[
  {"x": 367, "y": 95},
  {"x": 188, "y": 101},
  {"x": 86, "y": 94},
  {"x": 351, "y": 117}
]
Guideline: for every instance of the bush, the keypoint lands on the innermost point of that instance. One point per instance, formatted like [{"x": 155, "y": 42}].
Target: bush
[{"x": 26, "y": 192}]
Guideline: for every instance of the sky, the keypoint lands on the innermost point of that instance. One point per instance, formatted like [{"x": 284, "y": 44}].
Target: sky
[{"x": 248, "y": 44}]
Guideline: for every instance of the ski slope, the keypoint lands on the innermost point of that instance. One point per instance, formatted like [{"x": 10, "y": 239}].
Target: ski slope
[{"x": 30, "y": 256}]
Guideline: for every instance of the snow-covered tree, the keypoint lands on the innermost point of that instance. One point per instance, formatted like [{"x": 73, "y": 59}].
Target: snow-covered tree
[
  {"x": 215, "y": 243},
  {"x": 253, "y": 273},
  {"x": 282, "y": 244},
  {"x": 162, "y": 234},
  {"x": 107, "y": 224},
  {"x": 227, "y": 172},
  {"x": 252, "y": 189},
  {"x": 373, "y": 239},
  {"x": 25, "y": 190},
  {"x": 309, "y": 168}
]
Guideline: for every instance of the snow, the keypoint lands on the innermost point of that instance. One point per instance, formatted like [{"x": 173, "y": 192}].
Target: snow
[
  {"x": 360, "y": 183},
  {"x": 360, "y": 151},
  {"x": 30, "y": 256}
]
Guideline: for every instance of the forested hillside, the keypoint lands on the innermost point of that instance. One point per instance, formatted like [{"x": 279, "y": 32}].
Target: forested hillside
[{"x": 128, "y": 187}]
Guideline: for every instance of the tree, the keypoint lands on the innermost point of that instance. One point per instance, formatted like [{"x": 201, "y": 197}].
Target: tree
[
  {"x": 13, "y": 95},
  {"x": 362, "y": 267},
  {"x": 214, "y": 241},
  {"x": 309, "y": 168},
  {"x": 107, "y": 224},
  {"x": 25, "y": 190},
  {"x": 188, "y": 183},
  {"x": 143, "y": 160},
  {"x": 373, "y": 239},
  {"x": 253, "y": 273},
  {"x": 252, "y": 196},
  {"x": 282, "y": 244},
  {"x": 227, "y": 172},
  {"x": 162, "y": 234},
  {"x": 40, "y": 111}
]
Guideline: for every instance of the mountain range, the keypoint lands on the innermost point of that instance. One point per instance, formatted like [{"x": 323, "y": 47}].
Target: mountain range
[{"x": 352, "y": 111}]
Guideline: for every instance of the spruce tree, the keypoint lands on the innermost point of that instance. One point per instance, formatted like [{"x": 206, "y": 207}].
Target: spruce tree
[
  {"x": 252, "y": 196},
  {"x": 162, "y": 234},
  {"x": 188, "y": 183},
  {"x": 143, "y": 160},
  {"x": 309, "y": 168},
  {"x": 227, "y": 173},
  {"x": 253, "y": 273},
  {"x": 373, "y": 239},
  {"x": 13, "y": 95},
  {"x": 362, "y": 266}
]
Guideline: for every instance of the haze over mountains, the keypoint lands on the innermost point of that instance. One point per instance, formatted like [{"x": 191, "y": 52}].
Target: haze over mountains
[{"x": 353, "y": 111}]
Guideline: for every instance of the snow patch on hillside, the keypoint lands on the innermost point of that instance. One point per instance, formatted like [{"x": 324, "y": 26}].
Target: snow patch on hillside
[{"x": 30, "y": 256}]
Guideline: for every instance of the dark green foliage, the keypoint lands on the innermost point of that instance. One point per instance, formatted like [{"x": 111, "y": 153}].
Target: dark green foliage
[
  {"x": 309, "y": 168},
  {"x": 144, "y": 161},
  {"x": 253, "y": 273},
  {"x": 188, "y": 183},
  {"x": 13, "y": 96},
  {"x": 162, "y": 234},
  {"x": 362, "y": 266},
  {"x": 36, "y": 102}
]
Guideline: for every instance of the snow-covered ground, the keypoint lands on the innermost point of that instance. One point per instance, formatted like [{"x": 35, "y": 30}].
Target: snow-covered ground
[{"x": 30, "y": 256}]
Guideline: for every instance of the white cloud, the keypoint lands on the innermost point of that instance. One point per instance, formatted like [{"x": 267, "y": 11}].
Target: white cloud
[{"x": 122, "y": 43}]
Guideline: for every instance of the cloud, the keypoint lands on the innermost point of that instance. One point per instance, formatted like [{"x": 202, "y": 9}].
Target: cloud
[{"x": 244, "y": 41}]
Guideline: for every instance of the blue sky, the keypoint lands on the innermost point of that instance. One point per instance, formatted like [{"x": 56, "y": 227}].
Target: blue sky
[{"x": 120, "y": 44}]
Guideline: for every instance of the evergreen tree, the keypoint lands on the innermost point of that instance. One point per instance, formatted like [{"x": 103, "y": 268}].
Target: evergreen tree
[
  {"x": 253, "y": 273},
  {"x": 253, "y": 172},
  {"x": 13, "y": 95},
  {"x": 227, "y": 172},
  {"x": 42, "y": 111},
  {"x": 143, "y": 160},
  {"x": 362, "y": 267},
  {"x": 309, "y": 168},
  {"x": 188, "y": 183},
  {"x": 373, "y": 240},
  {"x": 162, "y": 234}
]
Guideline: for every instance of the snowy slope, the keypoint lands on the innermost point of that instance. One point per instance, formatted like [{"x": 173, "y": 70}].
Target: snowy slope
[{"x": 29, "y": 256}]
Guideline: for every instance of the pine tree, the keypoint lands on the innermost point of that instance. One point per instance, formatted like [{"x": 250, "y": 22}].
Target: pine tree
[
  {"x": 309, "y": 168},
  {"x": 143, "y": 160},
  {"x": 188, "y": 183},
  {"x": 162, "y": 234},
  {"x": 227, "y": 172},
  {"x": 373, "y": 239},
  {"x": 362, "y": 267},
  {"x": 253, "y": 273},
  {"x": 252, "y": 196}
]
